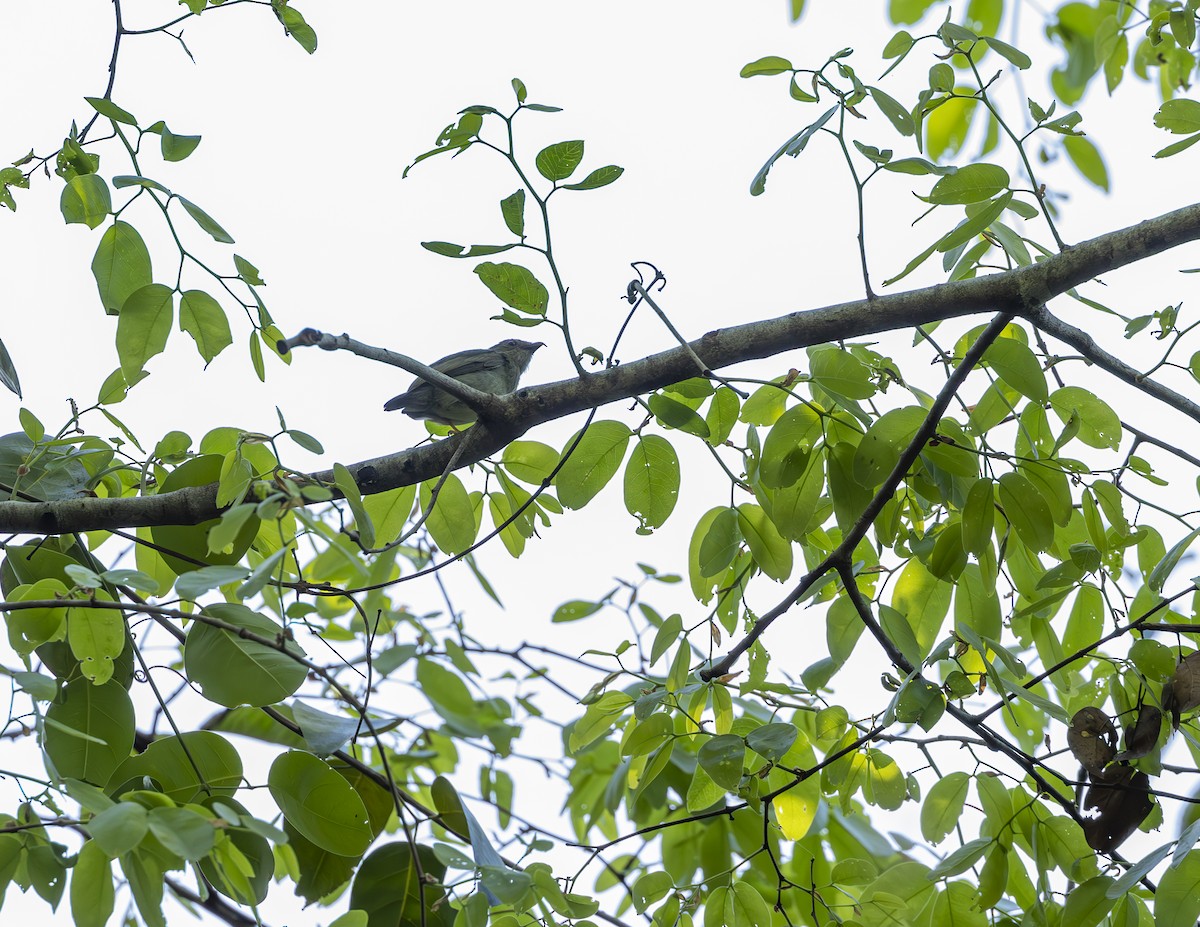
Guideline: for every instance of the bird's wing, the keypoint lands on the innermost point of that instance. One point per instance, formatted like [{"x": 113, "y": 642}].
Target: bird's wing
[{"x": 474, "y": 361}]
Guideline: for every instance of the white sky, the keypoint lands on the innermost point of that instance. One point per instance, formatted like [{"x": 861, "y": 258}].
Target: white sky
[{"x": 301, "y": 161}]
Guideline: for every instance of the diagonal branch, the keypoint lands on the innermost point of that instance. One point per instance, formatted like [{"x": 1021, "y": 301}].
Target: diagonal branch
[
  {"x": 1086, "y": 345},
  {"x": 839, "y": 558}
]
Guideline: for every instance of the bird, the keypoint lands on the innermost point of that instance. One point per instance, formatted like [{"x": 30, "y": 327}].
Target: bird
[{"x": 495, "y": 370}]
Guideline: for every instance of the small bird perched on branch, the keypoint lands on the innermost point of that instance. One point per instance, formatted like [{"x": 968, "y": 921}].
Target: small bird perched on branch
[{"x": 496, "y": 370}]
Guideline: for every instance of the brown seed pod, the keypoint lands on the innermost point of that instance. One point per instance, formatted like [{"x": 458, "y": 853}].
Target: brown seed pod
[{"x": 1092, "y": 739}]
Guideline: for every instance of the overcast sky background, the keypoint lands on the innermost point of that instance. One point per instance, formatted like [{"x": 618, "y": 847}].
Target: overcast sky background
[{"x": 301, "y": 162}]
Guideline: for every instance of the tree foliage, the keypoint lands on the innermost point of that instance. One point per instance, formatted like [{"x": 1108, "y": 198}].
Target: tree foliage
[{"x": 1009, "y": 655}]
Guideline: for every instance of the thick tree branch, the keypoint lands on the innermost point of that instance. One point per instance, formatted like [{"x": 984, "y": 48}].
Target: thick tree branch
[{"x": 1022, "y": 292}]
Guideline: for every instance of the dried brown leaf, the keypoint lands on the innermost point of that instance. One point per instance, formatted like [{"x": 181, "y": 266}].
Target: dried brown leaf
[
  {"x": 1143, "y": 735},
  {"x": 1182, "y": 693},
  {"x": 1092, "y": 739},
  {"x": 1116, "y": 803}
]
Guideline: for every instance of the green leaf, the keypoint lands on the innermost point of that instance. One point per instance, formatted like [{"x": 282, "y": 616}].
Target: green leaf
[
  {"x": 894, "y": 111},
  {"x": 297, "y": 28},
  {"x": 648, "y": 735},
  {"x": 512, "y": 208},
  {"x": 771, "y": 64},
  {"x": 880, "y": 448},
  {"x": 1162, "y": 570},
  {"x": 205, "y": 221},
  {"x": 195, "y": 584},
  {"x": 450, "y": 249},
  {"x": 501, "y": 508},
  {"x": 120, "y": 265},
  {"x": 666, "y": 637},
  {"x": 961, "y": 859},
  {"x": 515, "y": 286},
  {"x": 788, "y": 447},
  {"x": 652, "y": 481},
  {"x": 722, "y": 758},
  {"x": 1099, "y": 426},
  {"x": 85, "y": 200},
  {"x": 900, "y": 632},
  {"x": 186, "y": 766},
  {"x": 202, "y": 317},
  {"x": 558, "y": 162},
  {"x": 796, "y": 92},
  {"x": 770, "y": 551},
  {"x": 972, "y": 183},
  {"x": 765, "y": 405},
  {"x": 979, "y": 517},
  {"x": 8, "y": 372},
  {"x": 530, "y": 461},
  {"x": 593, "y": 462},
  {"x": 1089, "y": 903},
  {"x": 452, "y": 522},
  {"x": 946, "y": 128},
  {"x": 923, "y": 600},
  {"x": 247, "y": 271},
  {"x": 976, "y": 223},
  {"x": 232, "y": 670},
  {"x": 723, "y": 413},
  {"x": 1018, "y": 367},
  {"x": 720, "y": 543},
  {"x": 600, "y": 177},
  {"x": 319, "y": 803},
  {"x": 772, "y": 741},
  {"x": 29, "y": 628},
  {"x": 1027, "y": 511},
  {"x": 744, "y": 906},
  {"x": 92, "y": 894},
  {"x": 143, "y": 327},
  {"x": 348, "y": 487},
  {"x": 1087, "y": 160},
  {"x": 400, "y": 884},
  {"x": 840, "y": 373},
  {"x": 843, "y": 628},
  {"x": 1177, "y": 901},
  {"x": 1135, "y": 873},
  {"x": 90, "y": 730},
  {"x": 34, "y": 430},
  {"x": 132, "y": 180},
  {"x": 389, "y": 512},
  {"x": 575, "y": 610},
  {"x": 674, "y": 414},
  {"x": 1179, "y": 116},
  {"x": 1008, "y": 52},
  {"x": 184, "y": 832},
  {"x": 792, "y": 147},
  {"x": 177, "y": 147},
  {"x": 120, "y": 828},
  {"x": 919, "y": 167},
  {"x": 106, "y": 107},
  {"x": 1175, "y": 147},
  {"x": 943, "y": 806},
  {"x": 898, "y": 45},
  {"x": 598, "y": 720}
]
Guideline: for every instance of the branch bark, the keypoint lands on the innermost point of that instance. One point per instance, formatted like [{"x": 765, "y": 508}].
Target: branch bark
[{"x": 1021, "y": 292}]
